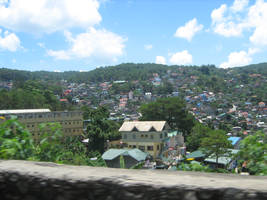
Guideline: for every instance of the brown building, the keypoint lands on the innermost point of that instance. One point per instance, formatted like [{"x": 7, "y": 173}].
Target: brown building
[{"x": 70, "y": 121}]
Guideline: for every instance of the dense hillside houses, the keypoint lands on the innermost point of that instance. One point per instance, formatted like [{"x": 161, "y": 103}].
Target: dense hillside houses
[{"x": 233, "y": 100}]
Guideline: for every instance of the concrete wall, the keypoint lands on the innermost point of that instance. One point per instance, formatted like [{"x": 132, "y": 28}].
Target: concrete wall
[{"x": 48, "y": 181}]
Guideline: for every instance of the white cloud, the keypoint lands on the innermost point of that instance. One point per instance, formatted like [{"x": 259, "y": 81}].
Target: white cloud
[
  {"x": 224, "y": 25},
  {"x": 257, "y": 17},
  {"x": 160, "y": 60},
  {"x": 217, "y": 15},
  {"x": 239, "y": 5},
  {"x": 189, "y": 30},
  {"x": 59, "y": 55},
  {"x": 181, "y": 58},
  {"x": 228, "y": 29},
  {"x": 9, "y": 41},
  {"x": 241, "y": 58},
  {"x": 40, "y": 44},
  {"x": 93, "y": 43},
  {"x": 148, "y": 46},
  {"x": 3, "y": 2},
  {"x": 48, "y": 15},
  {"x": 239, "y": 17}
]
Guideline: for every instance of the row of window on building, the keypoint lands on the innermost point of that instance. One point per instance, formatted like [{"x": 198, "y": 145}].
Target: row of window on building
[
  {"x": 144, "y": 136},
  {"x": 144, "y": 148}
]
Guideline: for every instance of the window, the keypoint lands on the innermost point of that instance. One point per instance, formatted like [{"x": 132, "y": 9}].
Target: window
[
  {"x": 134, "y": 136},
  {"x": 151, "y": 136},
  {"x": 165, "y": 134},
  {"x": 160, "y": 135},
  {"x": 134, "y": 146},
  {"x": 142, "y": 148},
  {"x": 125, "y": 136},
  {"x": 146, "y": 136},
  {"x": 157, "y": 147},
  {"x": 142, "y": 136},
  {"x": 150, "y": 148}
]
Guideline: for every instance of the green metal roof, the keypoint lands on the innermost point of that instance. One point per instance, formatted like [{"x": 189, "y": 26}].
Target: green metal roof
[
  {"x": 196, "y": 154},
  {"x": 222, "y": 160},
  {"x": 174, "y": 133},
  {"x": 134, "y": 153}
]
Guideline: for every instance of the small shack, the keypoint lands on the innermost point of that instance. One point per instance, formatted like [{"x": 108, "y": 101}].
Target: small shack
[{"x": 131, "y": 157}]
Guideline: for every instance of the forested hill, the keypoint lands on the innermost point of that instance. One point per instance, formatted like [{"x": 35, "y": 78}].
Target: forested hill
[{"x": 127, "y": 71}]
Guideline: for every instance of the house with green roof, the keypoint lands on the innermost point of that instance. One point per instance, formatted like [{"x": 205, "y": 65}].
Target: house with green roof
[{"x": 131, "y": 157}]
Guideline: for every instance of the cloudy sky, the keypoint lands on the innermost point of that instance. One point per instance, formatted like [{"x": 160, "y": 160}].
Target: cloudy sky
[{"x": 66, "y": 35}]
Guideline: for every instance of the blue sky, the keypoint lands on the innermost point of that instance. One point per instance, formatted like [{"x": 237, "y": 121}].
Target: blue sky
[{"x": 81, "y": 35}]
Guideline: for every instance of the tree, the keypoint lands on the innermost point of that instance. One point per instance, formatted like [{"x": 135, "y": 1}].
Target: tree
[
  {"x": 15, "y": 141},
  {"x": 253, "y": 150},
  {"x": 216, "y": 144},
  {"x": 100, "y": 128},
  {"x": 173, "y": 110},
  {"x": 198, "y": 132}
]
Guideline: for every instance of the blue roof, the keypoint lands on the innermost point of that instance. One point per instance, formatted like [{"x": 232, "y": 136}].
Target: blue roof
[{"x": 234, "y": 140}]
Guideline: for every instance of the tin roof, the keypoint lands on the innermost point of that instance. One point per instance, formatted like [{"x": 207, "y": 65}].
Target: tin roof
[
  {"x": 134, "y": 153},
  {"x": 22, "y": 111}
]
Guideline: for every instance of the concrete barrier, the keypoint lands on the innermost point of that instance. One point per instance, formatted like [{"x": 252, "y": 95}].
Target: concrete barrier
[{"x": 48, "y": 181}]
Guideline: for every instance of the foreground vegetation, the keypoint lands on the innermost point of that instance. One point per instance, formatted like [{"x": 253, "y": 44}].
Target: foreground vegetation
[{"x": 17, "y": 143}]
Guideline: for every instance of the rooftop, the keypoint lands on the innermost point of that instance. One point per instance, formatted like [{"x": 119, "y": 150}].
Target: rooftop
[
  {"x": 144, "y": 126},
  {"x": 22, "y": 111},
  {"x": 134, "y": 153}
]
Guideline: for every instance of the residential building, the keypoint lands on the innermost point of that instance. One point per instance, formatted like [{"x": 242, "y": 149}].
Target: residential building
[
  {"x": 71, "y": 121},
  {"x": 147, "y": 136}
]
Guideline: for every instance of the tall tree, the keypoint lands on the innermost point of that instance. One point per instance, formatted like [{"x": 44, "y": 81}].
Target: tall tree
[
  {"x": 216, "y": 144},
  {"x": 173, "y": 110},
  {"x": 198, "y": 132},
  {"x": 99, "y": 128},
  {"x": 253, "y": 150}
]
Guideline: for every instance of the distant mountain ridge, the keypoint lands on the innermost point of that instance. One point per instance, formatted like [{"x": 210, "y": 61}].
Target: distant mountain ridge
[{"x": 125, "y": 71}]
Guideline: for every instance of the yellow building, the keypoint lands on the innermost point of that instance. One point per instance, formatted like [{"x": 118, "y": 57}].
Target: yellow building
[
  {"x": 147, "y": 136},
  {"x": 70, "y": 121}
]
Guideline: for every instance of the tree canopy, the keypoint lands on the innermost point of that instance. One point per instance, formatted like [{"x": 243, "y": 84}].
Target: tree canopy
[
  {"x": 172, "y": 109},
  {"x": 216, "y": 144}
]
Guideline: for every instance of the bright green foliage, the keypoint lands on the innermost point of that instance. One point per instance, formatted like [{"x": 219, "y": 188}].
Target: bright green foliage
[
  {"x": 99, "y": 162},
  {"x": 216, "y": 144},
  {"x": 253, "y": 149},
  {"x": 122, "y": 163},
  {"x": 173, "y": 110},
  {"x": 193, "y": 167},
  {"x": 15, "y": 141},
  {"x": 198, "y": 167},
  {"x": 50, "y": 147},
  {"x": 198, "y": 132},
  {"x": 100, "y": 129},
  {"x": 138, "y": 165}
]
